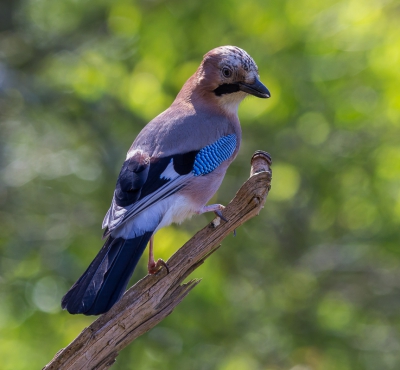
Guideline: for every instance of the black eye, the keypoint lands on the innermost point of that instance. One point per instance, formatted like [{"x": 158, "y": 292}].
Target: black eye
[{"x": 226, "y": 72}]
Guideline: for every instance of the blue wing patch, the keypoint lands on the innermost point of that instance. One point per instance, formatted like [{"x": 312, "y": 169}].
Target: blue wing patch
[{"x": 211, "y": 156}]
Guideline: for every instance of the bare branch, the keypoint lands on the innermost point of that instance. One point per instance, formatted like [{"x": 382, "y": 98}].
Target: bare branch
[{"x": 155, "y": 296}]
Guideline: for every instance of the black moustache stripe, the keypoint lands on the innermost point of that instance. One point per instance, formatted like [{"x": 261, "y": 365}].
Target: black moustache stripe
[{"x": 226, "y": 89}]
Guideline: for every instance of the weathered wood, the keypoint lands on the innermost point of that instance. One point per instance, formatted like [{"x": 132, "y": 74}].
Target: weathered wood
[{"x": 154, "y": 297}]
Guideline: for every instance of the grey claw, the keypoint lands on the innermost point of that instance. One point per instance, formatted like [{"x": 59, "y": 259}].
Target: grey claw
[{"x": 219, "y": 214}]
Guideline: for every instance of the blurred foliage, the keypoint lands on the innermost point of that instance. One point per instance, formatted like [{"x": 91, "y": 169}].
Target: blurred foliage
[{"x": 313, "y": 283}]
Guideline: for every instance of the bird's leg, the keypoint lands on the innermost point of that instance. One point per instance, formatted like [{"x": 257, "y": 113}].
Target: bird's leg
[
  {"x": 216, "y": 208},
  {"x": 153, "y": 267}
]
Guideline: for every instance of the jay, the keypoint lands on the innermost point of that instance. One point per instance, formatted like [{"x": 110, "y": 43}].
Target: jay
[{"x": 173, "y": 168}]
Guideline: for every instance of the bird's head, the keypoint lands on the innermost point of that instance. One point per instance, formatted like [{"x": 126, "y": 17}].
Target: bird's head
[{"x": 227, "y": 75}]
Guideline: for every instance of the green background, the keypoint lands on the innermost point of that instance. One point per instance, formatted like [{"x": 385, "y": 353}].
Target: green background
[{"x": 313, "y": 283}]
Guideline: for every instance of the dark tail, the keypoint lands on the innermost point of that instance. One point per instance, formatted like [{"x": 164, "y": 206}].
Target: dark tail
[{"x": 105, "y": 280}]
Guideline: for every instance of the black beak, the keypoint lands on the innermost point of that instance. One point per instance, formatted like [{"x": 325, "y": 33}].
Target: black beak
[{"x": 257, "y": 89}]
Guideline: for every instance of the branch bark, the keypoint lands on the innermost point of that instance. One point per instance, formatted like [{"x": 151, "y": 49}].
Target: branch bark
[{"x": 154, "y": 297}]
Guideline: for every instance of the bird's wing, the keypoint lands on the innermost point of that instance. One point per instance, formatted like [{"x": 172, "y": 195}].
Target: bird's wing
[{"x": 143, "y": 180}]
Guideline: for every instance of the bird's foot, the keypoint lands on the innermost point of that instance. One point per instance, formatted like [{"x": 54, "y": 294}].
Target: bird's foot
[
  {"x": 154, "y": 267},
  {"x": 219, "y": 214},
  {"x": 216, "y": 208}
]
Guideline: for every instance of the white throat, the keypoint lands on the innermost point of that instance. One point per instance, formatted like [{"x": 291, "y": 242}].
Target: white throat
[{"x": 230, "y": 102}]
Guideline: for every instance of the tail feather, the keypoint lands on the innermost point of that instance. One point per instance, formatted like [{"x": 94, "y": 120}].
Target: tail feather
[{"x": 105, "y": 280}]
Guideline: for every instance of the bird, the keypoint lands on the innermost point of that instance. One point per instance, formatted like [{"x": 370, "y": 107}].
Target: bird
[{"x": 173, "y": 168}]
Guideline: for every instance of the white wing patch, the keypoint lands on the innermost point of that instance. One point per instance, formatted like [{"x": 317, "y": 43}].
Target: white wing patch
[{"x": 169, "y": 173}]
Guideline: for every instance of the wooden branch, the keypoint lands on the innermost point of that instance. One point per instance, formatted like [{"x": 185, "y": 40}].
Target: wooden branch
[{"x": 155, "y": 296}]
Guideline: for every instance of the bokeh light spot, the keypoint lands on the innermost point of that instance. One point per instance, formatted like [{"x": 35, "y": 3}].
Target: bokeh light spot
[
  {"x": 124, "y": 19},
  {"x": 313, "y": 128},
  {"x": 286, "y": 181}
]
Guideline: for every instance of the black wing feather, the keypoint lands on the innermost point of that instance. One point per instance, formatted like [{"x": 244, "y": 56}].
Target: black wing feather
[{"x": 139, "y": 178}]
